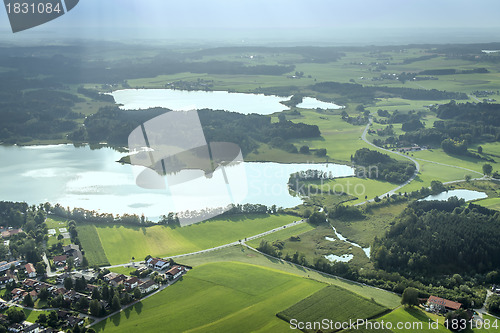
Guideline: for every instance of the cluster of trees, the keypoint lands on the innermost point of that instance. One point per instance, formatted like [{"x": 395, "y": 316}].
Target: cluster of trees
[
  {"x": 451, "y": 71},
  {"x": 493, "y": 304},
  {"x": 440, "y": 238},
  {"x": 36, "y": 114},
  {"x": 373, "y": 164},
  {"x": 366, "y": 94},
  {"x": 113, "y": 125},
  {"x": 346, "y": 213}
]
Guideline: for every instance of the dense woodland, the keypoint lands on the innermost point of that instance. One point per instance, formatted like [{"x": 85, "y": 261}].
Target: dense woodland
[
  {"x": 434, "y": 238},
  {"x": 113, "y": 126},
  {"x": 376, "y": 165},
  {"x": 366, "y": 94}
]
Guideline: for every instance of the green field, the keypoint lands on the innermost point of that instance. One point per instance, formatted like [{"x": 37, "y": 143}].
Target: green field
[
  {"x": 91, "y": 244},
  {"x": 218, "y": 297},
  {"x": 121, "y": 243},
  {"x": 245, "y": 255},
  {"x": 282, "y": 234},
  {"x": 332, "y": 303},
  {"x": 491, "y": 203},
  {"x": 415, "y": 319}
]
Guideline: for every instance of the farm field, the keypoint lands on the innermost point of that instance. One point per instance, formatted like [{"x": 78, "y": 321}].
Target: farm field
[
  {"x": 91, "y": 244},
  {"x": 282, "y": 234},
  {"x": 332, "y": 303},
  {"x": 247, "y": 298},
  {"x": 245, "y": 255},
  {"x": 121, "y": 243}
]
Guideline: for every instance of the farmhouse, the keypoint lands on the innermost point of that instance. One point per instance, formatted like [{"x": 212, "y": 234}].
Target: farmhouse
[
  {"x": 174, "y": 272},
  {"x": 30, "y": 270},
  {"x": 148, "y": 287},
  {"x": 442, "y": 305},
  {"x": 158, "y": 264}
]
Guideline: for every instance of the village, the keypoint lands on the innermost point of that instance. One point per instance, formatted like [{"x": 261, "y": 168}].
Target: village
[{"x": 73, "y": 295}]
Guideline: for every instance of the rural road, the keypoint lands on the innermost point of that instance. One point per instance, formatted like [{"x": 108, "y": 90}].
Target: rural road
[
  {"x": 417, "y": 165},
  {"x": 217, "y": 247}
]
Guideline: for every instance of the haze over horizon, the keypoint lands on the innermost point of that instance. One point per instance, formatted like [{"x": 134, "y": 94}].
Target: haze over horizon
[{"x": 318, "y": 22}]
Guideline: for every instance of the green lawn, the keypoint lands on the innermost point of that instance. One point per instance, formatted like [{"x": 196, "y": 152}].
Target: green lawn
[
  {"x": 91, "y": 244},
  {"x": 121, "y": 243},
  {"x": 491, "y": 203},
  {"x": 218, "y": 297},
  {"x": 332, "y": 303}
]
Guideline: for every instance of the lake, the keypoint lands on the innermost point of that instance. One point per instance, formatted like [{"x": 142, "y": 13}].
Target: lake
[
  {"x": 467, "y": 195},
  {"x": 183, "y": 100},
  {"x": 93, "y": 180}
]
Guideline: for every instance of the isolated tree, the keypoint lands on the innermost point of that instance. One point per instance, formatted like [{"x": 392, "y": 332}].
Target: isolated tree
[
  {"x": 487, "y": 169},
  {"x": 467, "y": 178},
  {"x": 410, "y": 297},
  {"x": 83, "y": 303},
  {"x": 85, "y": 262},
  {"x": 480, "y": 150},
  {"x": 42, "y": 319},
  {"x": 44, "y": 294},
  {"x": 15, "y": 315},
  {"x": 304, "y": 149},
  {"x": 437, "y": 187},
  {"x": 60, "y": 237}
]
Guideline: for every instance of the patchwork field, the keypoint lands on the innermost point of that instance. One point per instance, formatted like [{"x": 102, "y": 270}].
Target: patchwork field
[
  {"x": 218, "y": 297},
  {"x": 245, "y": 255},
  {"x": 121, "y": 243},
  {"x": 332, "y": 303}
]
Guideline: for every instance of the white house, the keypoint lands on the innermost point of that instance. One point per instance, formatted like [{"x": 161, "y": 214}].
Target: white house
[{"x": 158, "y": 264}]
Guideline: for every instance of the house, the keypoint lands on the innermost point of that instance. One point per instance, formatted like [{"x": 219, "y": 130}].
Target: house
[
  {"x": 131, "y": 283},
  {"x": 439, "y": 304},
  {"x": 6, "y": 279},
  {"x": 118, "y": 280},
  {"x": 16, "y": 328},
  {"x": 5, "y": 266},
  {"x": 158, "y": 264},
  {"x": 148, "y": 286},
  {"x": 110, "y": 276},
  {"x": 34, "y": 295},
  {"x": 74, "y": 252},
  {"x": 18, "y": 294},
  {"x": 11, "y": 232},
  {"x": 30, "y": 270},
  {"x": 32, "y": 328},
  {"x": 174, "y": 272},
  {"x": 72, "y": 321},
  {"x": 60, "y": 261}
]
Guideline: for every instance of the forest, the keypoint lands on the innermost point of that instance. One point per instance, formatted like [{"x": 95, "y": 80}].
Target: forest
[
  {"x": 113, "y": 126},
  {"x": 366, "y": 94},
  {"x": 372, "y": 164},
  {"x": 436, "y": 238}
]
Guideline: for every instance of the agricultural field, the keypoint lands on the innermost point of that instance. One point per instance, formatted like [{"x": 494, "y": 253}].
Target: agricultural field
[
  {"x": 247, "y": 299},
  {"x": 332, "y": 303},
  {"x": 245, "y": 255},
  {"x": 121, "y": 243},
  {"x": 91, "y": 244}
]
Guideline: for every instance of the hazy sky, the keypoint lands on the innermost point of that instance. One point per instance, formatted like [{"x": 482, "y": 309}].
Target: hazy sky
[{"x": 315, "y": 20}]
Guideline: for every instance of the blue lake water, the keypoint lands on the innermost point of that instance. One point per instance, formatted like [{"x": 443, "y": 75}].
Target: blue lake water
[
  {"x": 92, "y": 179},
  {"x": 183, "y": 100},
  {"x": 467, "y": 195}
]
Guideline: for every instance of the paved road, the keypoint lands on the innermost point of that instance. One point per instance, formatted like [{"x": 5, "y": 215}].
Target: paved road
[{"x": 417, "y": 165}]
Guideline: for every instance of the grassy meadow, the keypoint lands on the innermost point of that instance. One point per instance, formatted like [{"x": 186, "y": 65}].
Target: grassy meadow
[
  {"x": 121, "y": 243},
  {"x": 217, "y": 297}
]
